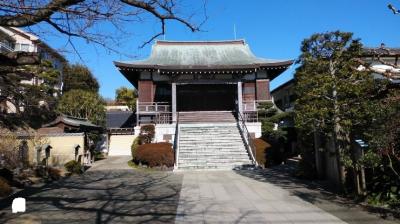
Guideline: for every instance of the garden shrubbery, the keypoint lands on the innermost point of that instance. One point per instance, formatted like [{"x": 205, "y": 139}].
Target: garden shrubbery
[
  {"x": 155, "y": 154},
  {"x": 73, "y": 167},
  {"x": 134, "y": 146},
  {"x": 5, "y": 188}
]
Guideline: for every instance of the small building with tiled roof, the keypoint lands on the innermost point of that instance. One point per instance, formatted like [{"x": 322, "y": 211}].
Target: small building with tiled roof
[{"x": 72, "y": 124}]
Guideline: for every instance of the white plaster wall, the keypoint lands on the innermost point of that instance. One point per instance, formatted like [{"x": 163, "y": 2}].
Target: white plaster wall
[
  {"x": 120, "y": 145},
  {"x": 162, "y": 129},
  {"x": 254, "y": 128}
]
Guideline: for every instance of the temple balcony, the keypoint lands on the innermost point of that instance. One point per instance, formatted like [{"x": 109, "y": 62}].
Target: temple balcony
[{"x": 153, "y": 113}]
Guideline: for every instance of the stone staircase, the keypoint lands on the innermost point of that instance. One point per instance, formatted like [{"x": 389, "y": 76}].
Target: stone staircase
[
  {"x": 206, "y": 117},
  {"x": 211, "y": 146}
]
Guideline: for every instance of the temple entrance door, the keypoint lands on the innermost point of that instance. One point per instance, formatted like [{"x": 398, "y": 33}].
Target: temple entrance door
[{"x": 206, "y": 97}]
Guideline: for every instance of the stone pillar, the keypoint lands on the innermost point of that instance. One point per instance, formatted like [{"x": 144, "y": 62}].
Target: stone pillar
[
  {"x": 174, "y": 102},
  {"x": 262, "y": 86},
  {"x": 240, "y": 97}
]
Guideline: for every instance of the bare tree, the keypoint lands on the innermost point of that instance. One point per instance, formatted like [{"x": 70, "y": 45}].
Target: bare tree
[{"x": 86, "y": 18}]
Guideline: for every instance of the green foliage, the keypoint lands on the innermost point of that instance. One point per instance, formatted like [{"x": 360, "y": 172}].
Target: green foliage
[
  {"x": 79, "y": 77},
  {"x": 147, "y": 133},
  {"x": 73, "y": 167},
  {"x": 83, "y": 104},
  {"x": 134, "y": 146},
  {"x": 343, "y": 103},
  {"x": 270, "y": 117},
  {"x": 38, "y": 101},
  {"x": 127, "y": 97},
  {"x": 331, "y": 91}
]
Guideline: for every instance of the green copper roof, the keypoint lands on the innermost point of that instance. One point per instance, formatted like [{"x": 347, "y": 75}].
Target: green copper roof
[{"x": 207, "y": 54}]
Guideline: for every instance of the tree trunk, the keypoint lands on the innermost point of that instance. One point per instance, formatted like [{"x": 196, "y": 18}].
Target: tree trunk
[{"x": 337, "y": 131}]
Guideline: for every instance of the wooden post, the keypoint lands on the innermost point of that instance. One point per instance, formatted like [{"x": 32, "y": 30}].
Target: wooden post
[
  {"x": 240, "y": 97},
  {"x": 173, "y": 102}
]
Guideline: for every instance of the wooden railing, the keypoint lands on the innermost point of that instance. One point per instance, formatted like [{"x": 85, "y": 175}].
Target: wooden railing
[
  {"x": 153, "y": 107},
  {"x": 153, "y": 112},
  {"x": 248, "y": 139}
]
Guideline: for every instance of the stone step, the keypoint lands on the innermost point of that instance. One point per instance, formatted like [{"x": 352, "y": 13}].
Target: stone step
[
  {"x": 205, "y": 146},
  {"x": 209, "y": 146},
  {"x": 216, "y": 167},
  {"x": 207, "y": 142},
  {"x": 212, "y": 154}
]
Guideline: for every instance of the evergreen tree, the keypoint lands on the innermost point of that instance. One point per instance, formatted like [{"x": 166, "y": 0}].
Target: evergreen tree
[
  {"x": 79, "y": 77},
  {"x": 83, "y": 104},
  {"x": 334, "y": 98},
  {"x": 126, "y": 96}
]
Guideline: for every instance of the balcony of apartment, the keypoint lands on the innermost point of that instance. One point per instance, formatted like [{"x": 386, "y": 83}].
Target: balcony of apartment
[{"x": 6, "y": 47}]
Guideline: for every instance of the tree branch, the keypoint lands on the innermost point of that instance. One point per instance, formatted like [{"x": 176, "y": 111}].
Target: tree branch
[{"x": 21, "y": 20}]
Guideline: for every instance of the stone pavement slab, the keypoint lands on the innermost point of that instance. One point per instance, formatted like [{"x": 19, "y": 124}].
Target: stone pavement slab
[
  {"x": 228, "y": 197},
  {"x": 112, "y": 192}
]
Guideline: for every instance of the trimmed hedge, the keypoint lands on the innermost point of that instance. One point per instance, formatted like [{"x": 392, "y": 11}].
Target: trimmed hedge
[
  {"x": 155, "y": 154},
  {"x": 261, "y": 151},
  {"x": 134, "y": 146}
]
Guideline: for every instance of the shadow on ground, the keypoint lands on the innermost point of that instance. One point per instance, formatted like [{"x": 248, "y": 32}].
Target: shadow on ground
[
  {"x": 318, "y": 193},
  {"x": 101, "y": 196}
]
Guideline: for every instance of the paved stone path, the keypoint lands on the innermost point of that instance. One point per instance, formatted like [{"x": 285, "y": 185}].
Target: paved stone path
[
  {"x": 232, "y": 198},
  {"x": 112, "y": 192}
]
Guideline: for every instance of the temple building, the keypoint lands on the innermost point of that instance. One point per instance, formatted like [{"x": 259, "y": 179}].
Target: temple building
[{"x": 189, "y": 83}]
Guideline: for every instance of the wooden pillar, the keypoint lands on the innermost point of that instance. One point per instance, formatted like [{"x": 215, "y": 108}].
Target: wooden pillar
[
  {"x": 240, "y": 97},
  {"x": 174, "y": 103},
  {"x": 262, "y": 86}
]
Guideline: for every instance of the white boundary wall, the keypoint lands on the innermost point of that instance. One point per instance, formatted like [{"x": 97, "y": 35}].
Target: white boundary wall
[{"x": 254, "y": 128}]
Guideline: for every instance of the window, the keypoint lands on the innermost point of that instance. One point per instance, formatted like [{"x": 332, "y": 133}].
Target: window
[
  {"x": 25, "y": 47},
  {"x": 22, "y": 47}
]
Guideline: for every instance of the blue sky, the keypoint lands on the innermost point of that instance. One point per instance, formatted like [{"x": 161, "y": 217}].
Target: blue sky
[{"x": 273, "y": 29}]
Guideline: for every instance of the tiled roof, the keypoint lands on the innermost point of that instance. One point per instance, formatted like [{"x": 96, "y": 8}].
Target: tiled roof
[
  {"x": 381, "y": 51},
  {"x": 120, "y": 119},
  {"x": 202, "y": 55},
  {"x": 72, "y": 121}
]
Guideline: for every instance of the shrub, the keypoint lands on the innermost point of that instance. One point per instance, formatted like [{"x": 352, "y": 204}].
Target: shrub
[
  {"x": 54, "y": 173},
  {"x": 73, "y": 167},
  {"x": 6, "y": 174},
  {"x": 147, "y": 133},
  {"x": 155, "y": 154},
  {"x": 9, "y": 150},
  {"x": 5, "y": 188},
  {"x": 261, "y": 151},
  {"x": 134, "y": 146}
]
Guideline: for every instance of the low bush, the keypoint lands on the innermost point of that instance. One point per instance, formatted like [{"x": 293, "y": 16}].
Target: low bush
[
  {"x": 155, "y": 154},
  {"x": 134, "y": 146},
  {"x": 54, "y": 173},
  {"x": 6, "y": 174},
  {"x": 147, "y": 133},
  {"x": 5, "y": 188},
  {"x": 261, "y": 151},
  {"x": 73, "y": 167}
]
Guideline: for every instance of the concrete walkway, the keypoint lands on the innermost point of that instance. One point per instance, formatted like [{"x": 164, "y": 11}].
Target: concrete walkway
[
  {"x": 112, "y": 192},
  {"x": 228, "y": 197}
]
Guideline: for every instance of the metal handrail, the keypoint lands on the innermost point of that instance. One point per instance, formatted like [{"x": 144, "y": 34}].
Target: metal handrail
[
  {"x": 6, "y": 46},
  {"x": 176, "y": 142},
  {"x": 251, "y": 148}
]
